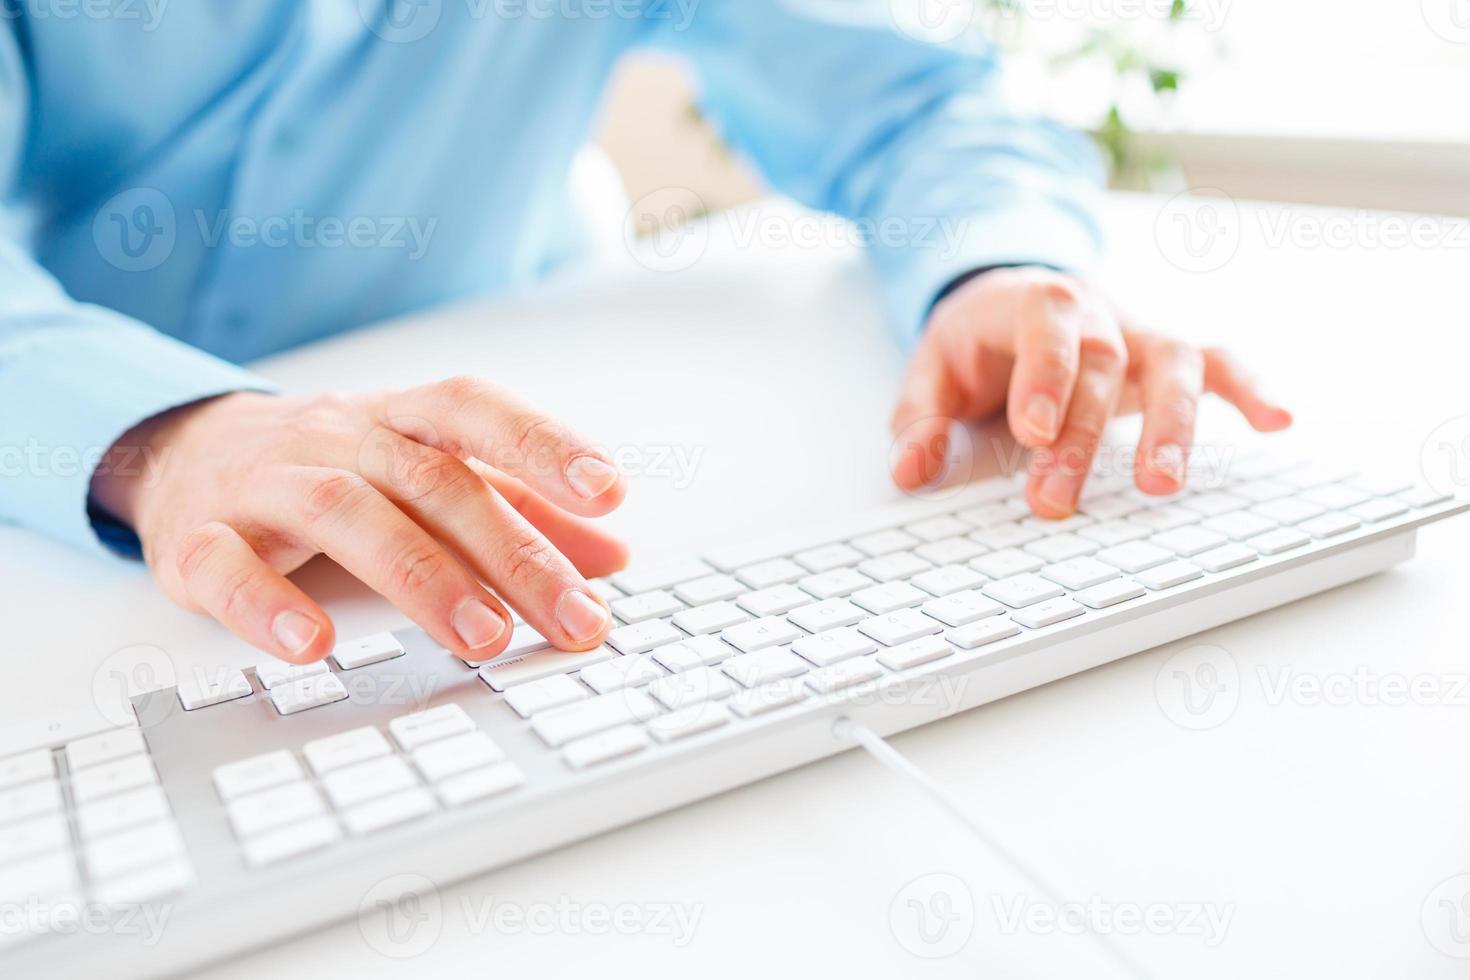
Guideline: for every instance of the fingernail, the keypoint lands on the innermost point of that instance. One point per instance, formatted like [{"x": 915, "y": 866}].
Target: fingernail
[
  {"x": 295, "y": 631},
  {"x": 477, "y": 624},
  {"x": 582, "y": 616},
  {"x": 1042, "y": 415},
  {"x": 1058, "y": 490},
  {"x": 590, "y": 476},
  {"x": 1167, "y": 461}
]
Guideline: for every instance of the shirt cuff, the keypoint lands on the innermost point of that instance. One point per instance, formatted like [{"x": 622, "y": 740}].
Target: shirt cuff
[
  {"x": 914, "y": 277},
  {"x": 77, "y": 388}
]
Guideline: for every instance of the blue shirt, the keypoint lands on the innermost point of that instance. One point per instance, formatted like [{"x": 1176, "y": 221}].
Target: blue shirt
[{"x": 190, "y": 185}]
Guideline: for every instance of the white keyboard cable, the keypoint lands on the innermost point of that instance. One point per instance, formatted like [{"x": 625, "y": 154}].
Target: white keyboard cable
[{"x": 846, "y": 730}]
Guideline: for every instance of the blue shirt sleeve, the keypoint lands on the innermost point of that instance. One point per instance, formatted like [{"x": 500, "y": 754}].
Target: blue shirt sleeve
[
  {"x": 73, "y": 377},
  {"x": 912, "y": 140}
]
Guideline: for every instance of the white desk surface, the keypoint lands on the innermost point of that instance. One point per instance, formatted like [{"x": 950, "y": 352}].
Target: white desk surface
[{"x": 1321, "y": 829}]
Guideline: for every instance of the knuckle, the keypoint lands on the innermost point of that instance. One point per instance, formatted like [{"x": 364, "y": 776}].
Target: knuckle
[
  {"x": 1177, "y": 413},
  {"x": 415, "y": 567},
  {"x": 237, "y": 594},
  {"x": 1053, "y": 359},
  {"x": 196, "y": 550},
  {"x": 462, "y": 388},
  {"x": 430, "y": 473},
  {"x": 527, "y": 558},
  {"x": 1107, "y": 352},
  {"x": 333, "y": 495}
]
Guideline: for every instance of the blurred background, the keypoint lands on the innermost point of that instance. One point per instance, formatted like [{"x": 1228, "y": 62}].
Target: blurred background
[{"x": 1355, "y": 103}]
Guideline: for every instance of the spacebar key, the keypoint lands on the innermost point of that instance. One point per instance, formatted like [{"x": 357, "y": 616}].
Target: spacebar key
[
  {"x": 501, "y": 674},
  {"x": 560, "y": 725}
]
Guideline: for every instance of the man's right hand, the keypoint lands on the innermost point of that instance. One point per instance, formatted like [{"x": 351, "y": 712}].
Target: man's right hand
[{"x": 429, "y": 495}]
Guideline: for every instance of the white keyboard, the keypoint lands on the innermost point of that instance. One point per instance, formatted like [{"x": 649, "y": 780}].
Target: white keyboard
[{"x": 280, "y": 795}]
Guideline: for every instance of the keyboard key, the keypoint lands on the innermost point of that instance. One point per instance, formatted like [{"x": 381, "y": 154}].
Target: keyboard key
[
  {"x": 643, "y": 637},
  {"x": 50, "y": 876},
  {"x": 950, "y": 551},
  {"x": 1261, "y": 491},
  {"x": 1053, "y": 526},
  {"x": 308, "y": 692},
  {"x": 344, "y": 749},
  {"x": 937, "y": 528},
  {"x": 502, "y": 675},
  {"x": 688, "y": 721},
  {"x": 900, "y": 564},
  {"x": 710, "y": 618},
  {"x": 1314, "y": 475},
  {"x": 452, "y": 756},
  {"x": 710, "y": 588},
  {"x": 764, "y": 666},
  {"x": 883, "y": 542},
  {"x": 1279, "y": 540},
  {"x": 1004, "y": 536},
  {"x": 1168, "y": 576},
  {"x": 1079, "y": 573},
  {"x": 885, "y": 598},
  {"x": 1164, "y": 518},
  {"x": 1186, "y": 541},
  {"x": 30, "y": 800},
  {"x": 1225, "y": 557},
  {"x": 113, "y": 813},
  {"x": 621, "y": 672},
  {"x": 960, "y": 608},
  {"x": 615, "y": 743},
  {"x": 989, "y": 515},
  {"x": 829, "y": 614},
  {"x": 1047, "y": 613},
  {"x": 760, "y": 633},
  {"x": 1288, "y": 510},
  {"x": 298, "y": 838},
  {"x": 368, "y": 650},
  {"x": 1330, "y": 524},
  {"x": 914, "y": 653},
  {"x": 388, "y": 811},
  {"x": 768, "y": 697},
  {"x": 899, "y": 627},
  {"x": 1108, "y": 507},
  {"x": 276, "y": 807},
  {"x": 105, "y": 747},
  {"x": 604, "y": 589},
  {"x": 200, "y": 690},
  {"x": 112, "y": 777},
  {"x": 38, "y": 835},
  {"x": 545, "y": 694},
  {"x": 765, "y": 574},
  {"x": 1110, "y": 533},
  {"x": 378, "y": 777},
  {"x": 775, "y": 601},
  {"x": 478, "y": 784},
  {"x": 832, "y": 646},
  {"x": 26, "y": 767},
  {"x": 524, "y": 641},
  {"x": 828, "y": 557},
  {"x": 646, "y": 605},
  {"x": 835, "y": 583},
  {"x": 1022, "y": 590},
  {"x": 985, "y": 631},
  {"x": 1240, "y": 525},
  {"x": 1381, "y": 484},
  {"x": 146, "y": 885},
  {"x": 1134, "y": 556},
  {"x": 1214, "y": 503},
  {"x": 561, "y": 725},
  {"x": 128, "y": 850},
  {"x": 848, "y": 673},
  {"x": 691, "y": 687},
  {"x": 276, "y": 672},
  {"x": 422, "y": 727},
  {"x": 255, "y": 774},
  {"x": 1373, "y": 511},
  {"x": 947, "y": 580},
  {"x": 636, "y": 580},
  {"x": 1007, "y": 562},
  {"x": 1423, "y": 497},
  {"x": 697, "y": 651},
  {"x": 1109, "y": 593},
  {"x": 1336, "y": 496}
]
